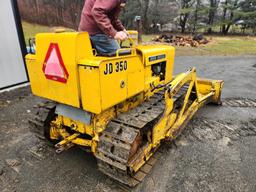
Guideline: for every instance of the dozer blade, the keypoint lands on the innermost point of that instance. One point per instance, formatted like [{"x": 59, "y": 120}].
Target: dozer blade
[
  {"x": 199, "y": 92},
  {"x": 127, "y": 149}
]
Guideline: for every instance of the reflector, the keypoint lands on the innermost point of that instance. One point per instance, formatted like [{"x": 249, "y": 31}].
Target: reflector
[{"x": 53, "y": 67}]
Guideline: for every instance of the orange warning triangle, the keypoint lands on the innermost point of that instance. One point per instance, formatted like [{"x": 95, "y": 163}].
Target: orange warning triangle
[{"x": 54, "y": 67}]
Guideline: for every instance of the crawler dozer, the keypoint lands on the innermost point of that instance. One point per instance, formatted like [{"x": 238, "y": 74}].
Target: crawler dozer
[{"x": 119, "y": 106}]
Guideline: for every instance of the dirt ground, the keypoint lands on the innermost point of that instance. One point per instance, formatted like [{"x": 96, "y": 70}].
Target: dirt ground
[{"x": 217, "y": 151}]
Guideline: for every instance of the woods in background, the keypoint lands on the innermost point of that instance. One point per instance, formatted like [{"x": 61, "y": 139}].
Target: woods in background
[
  {"x": 209, "y": 16},
  {"x": 52, "y": 12}
]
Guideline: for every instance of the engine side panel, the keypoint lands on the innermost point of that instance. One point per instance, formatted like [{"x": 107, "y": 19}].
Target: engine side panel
[{"x": 110, "y": 82}]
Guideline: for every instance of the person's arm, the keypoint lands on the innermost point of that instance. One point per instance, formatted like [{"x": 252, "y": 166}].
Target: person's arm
[
  {"x": 117, "y": 24},
  {"x": 100, "y": 12}
]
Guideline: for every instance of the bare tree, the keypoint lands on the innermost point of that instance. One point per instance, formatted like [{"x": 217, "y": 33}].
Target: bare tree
[
  {"x": 197, "y": 6},
  {"x": 229, "y": 6},
  {"x": 145, "y": 15},
  {"x": 74, "y": 8},
  {"x": 185, "y": 11},
  {"x": 212, "y": 13}
]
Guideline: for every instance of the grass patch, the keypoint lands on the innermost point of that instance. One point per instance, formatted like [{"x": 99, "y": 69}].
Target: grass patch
[
  {"x": 30, "y": 30},
  {"x": 219, "y": 45},
  {"x": 231, "y": 46}
]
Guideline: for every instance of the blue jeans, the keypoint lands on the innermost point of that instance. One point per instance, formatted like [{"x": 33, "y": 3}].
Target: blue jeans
[{"x": 104, "y": 44}]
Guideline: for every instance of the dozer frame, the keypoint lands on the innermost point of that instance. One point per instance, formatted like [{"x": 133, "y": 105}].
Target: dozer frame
[{"x": 123, "y": 126}]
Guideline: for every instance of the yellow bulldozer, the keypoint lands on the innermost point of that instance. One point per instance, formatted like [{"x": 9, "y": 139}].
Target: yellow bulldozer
[{"x": 119, "y": 106}]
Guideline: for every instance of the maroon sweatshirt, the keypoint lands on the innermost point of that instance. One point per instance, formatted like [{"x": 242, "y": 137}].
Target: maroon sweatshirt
[{"x": 101, "y": 16}]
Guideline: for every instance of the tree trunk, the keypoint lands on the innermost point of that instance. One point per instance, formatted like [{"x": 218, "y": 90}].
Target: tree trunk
[
  {"x": 211, "y": 15},
  {"x": 196, "y": 15},
  {"x": 145, "y": 22},
  {"x": 224, "y": 18},
  {"x": 183, "y": 22},
  {"x": 37, "y": 6}
]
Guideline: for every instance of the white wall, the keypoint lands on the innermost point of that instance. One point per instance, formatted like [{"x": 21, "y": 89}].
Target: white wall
[{"x": 12, "y": 70}]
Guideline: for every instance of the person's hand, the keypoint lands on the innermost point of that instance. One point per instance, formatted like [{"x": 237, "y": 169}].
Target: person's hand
[
  {"x": 121, "y": 35},
  {"x": 126, "y": 32}
]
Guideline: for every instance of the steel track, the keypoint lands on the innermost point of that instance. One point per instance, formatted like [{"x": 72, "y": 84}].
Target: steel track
[
  {"x": 40, "y": 123},
  {"x": 113, "y": 151}
]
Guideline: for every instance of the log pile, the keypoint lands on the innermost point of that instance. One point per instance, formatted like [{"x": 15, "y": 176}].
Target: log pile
[{"x": 184, "y": 41}]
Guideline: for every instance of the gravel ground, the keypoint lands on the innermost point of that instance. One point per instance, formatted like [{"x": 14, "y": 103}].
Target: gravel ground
[{"x": 217, "y": 151}]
